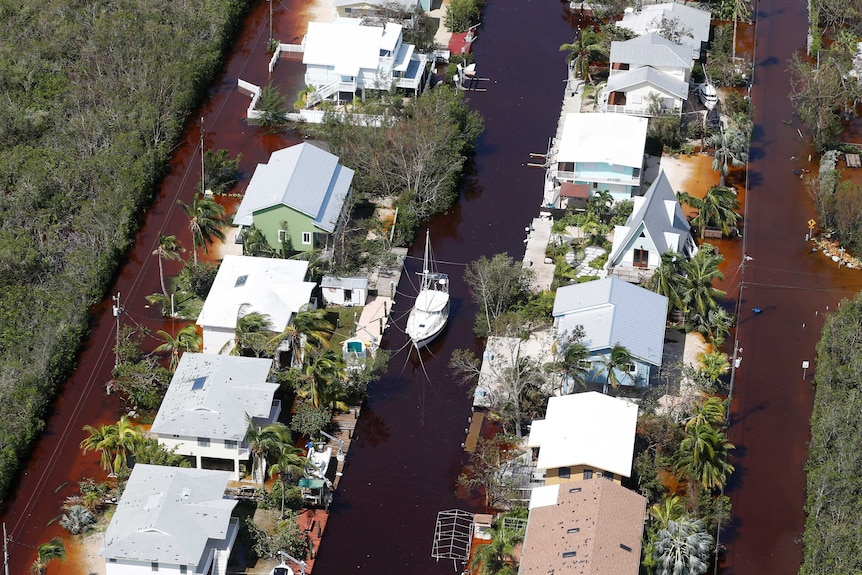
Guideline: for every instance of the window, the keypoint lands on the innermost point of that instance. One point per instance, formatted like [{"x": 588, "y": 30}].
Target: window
[
  {"x": 184, "y": 569},
  {"x": 229, "y": 444},
  {"x": 112, "y": 559},
  {"x": 641, "y": 258},
  {"x": 609, "y": 475},
  {"x": 199, "y": 383},
  {"x": 588, "y": 473},
  {"x": 306, "y": 238},
  {"x": 154, "y": 566},
  {"x": 203, "y": 442},
  {"x": 575, "y": 490},
  {"x": 585, "y": 364},
  {"x": 282, "y": 236},
  {"x": 569, "y": 554},
  {"x": 566, "y": 166},
  {"x": 632, "y": 368},
  {"x": 565, "y": 472},
  {"x": 573, "y": 530}
]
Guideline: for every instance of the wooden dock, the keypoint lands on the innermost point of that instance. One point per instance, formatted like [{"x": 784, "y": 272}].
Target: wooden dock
[{"x": 474, "y": 432}]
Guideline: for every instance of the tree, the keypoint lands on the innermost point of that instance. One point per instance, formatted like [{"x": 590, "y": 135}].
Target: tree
[
  {"x": 696, "y": 291},
  {"x": 730, "y": 147},
  {"x": 616, "y": 361},
  {"x": 587, "y": 47},
  {"x": 673, "y": 29},
  {"x": 309, "y": 330},
  {"x": 702, "y": 456},
  {"x": 713, "y": 365},
  {"x": 288, "y": 463},
  {"x": 286, "y": 537},
  {"x": 265, "y": 442},
  {"x": 168, "y": 249},
  {"x": 496, "y": 285},
  {"x": 490, "y": 469},
  {"x": 513, "y": 380},
  {"x": 324, "y": 374},
  {"x": 114, "y": 443},
  {"x": 498, "y": 556},
  {"x": 53, "y": 550},
  {"x": 670, "y": 509},
  {"x": 220, "y": 170},
  {"x": 205, "y": 222},
  {"x": 253, "y": 332},
  {"x": 77, "y": 519},
  {"x": 272, "y": 106},
  {"x": 683, "y": 548},
  {"x": 667, "y": 279},
  {"x": 254, "y": 243},
  {"x": 309, "y": 420},
  {"x": 711, "y": 411},
  {"x": 570, "y": 354},
  {"x": 717, "y": 209},
  {"x": 187, "y": 339},
  {"x": 460, "y": 15}
]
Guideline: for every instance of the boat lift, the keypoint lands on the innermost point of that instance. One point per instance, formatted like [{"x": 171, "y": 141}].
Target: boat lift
[{"x": 465, "y": 79}]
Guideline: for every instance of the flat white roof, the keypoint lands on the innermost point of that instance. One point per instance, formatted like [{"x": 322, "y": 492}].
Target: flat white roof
[
  {"x": 348, "y": 46},
  {"x": 603, "y": 138},
  {"x": 270, "y": 286},
  {"x": 586, "y": 429}
]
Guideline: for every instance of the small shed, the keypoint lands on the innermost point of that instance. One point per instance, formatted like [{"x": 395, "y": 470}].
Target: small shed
[{"x": 344, "y": 291}]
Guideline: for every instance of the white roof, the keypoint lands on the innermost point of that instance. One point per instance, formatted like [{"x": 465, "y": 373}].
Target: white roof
[
  {"x": 613, "y": 311},
  {"x": 587, "y": 428},
  {"x": 169, "y": 515},
  {"x": 302, "y": 177},
  {"x": 270, "y": 286},
  {"x": 347, "y": 46},
  {"x": 210, "y": 395},
  {"x": 617, "y": 139},
  {"x": 544, "y": 495},
  {"x": 693, "y": 19}
]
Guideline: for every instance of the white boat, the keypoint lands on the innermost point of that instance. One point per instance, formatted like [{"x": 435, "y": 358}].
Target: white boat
[
  {"x": 707, "y": 94},
  {"x": 431, "y": 310}
]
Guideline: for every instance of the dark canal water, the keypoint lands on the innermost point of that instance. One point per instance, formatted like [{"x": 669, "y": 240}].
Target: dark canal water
[
  {"x": 794, "y": 288},
  {"x": 403, "y": 467}
]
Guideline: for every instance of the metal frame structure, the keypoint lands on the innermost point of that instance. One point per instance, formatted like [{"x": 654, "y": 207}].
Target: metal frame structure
[{"x": 453, "y": 534}]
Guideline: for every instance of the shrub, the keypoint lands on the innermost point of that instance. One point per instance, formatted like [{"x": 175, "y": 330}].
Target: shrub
[{"x": 77, "y": 519}]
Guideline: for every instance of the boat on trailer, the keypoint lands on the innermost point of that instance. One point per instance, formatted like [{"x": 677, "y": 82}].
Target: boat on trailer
[{"x": 431, "y": 310}]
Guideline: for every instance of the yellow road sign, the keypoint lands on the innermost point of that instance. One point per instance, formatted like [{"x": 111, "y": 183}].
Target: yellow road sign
[{"x": 811, "y": 224}]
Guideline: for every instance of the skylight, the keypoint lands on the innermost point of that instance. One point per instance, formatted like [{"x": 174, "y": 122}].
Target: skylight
[
  {"x": 240, "y": 281},
  {"x": 199, "y": 383}
]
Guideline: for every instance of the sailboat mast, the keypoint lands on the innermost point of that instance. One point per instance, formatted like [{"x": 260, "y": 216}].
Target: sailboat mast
[{"x": 427, "y": 251}]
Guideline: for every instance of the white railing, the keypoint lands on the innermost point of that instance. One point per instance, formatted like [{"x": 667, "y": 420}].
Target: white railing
[
  {"x": 322, "y": 93},
  {"x": 637, "y": 110},
  {"x": 598, "y": 178},
  {"x": 317, "y": 116},
  {"x": 253, "y": 91}
]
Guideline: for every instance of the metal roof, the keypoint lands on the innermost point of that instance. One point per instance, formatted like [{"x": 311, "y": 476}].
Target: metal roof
[
  {"x": 650, "y": 15},
  {"x": 274, "y": 287},
  {"x": 587, "y": 428},
  {"x": 616, "y": 139},
  {"x": 302, "y": 177},
  {"x": 344, "y": 283},
  {"x": 625, "y": 81},
  {"x": 228, "y": 388},
  {"x": 659, "y": 214},
  {"x": 651, "y": 50},
  {"x": 612, "y": 312},
  {"x": 169, "y": 515}
]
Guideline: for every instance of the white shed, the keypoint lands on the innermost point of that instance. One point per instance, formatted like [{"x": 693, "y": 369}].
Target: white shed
[{"x": 344, "y": 291}]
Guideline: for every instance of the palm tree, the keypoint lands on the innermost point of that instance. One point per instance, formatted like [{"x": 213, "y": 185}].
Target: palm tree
[
  {"x": 617, "y": 360},
  {"x": 309, "y": 329},
  {"x": 168, "y": 249},
  {"x": 667, "y": 278},
  {"x": 288, "y": 464},
  {"x": 669, "y": 509},
  {"x": 586, "y": 47},
  {"x": 253, "y": 332},
  {"x": 99, "y": 440},
  {"x": 717, "y": 209},
  {"x": 711, "y": 411},
  {"x": 254, "y": 243},
  {"x": 702, "y": 456},
  {"x": 713, "y": 365},
  {"x": 569, "y": 363},
  {"x": 497, "y": 557},
  {"x": 731, "y": 149},
  {"x": 205, "y": 222},
  {"x": 114, "y": 442},
  {"x": 324, "y": 372},
  {"x": 683, "y": 548},
  {"x": 264, "y": 442},
  {"x": 47, "y": 552},
  {"x": 187, "y": 339},
  {"x": 697, "y": 293}
]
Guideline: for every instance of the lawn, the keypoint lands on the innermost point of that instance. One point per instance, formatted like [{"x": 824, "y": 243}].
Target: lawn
[{"x": 344, "y": 319}]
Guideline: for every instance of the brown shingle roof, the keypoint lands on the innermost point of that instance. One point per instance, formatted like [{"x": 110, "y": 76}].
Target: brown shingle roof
[{"x": 595, "y": 528}]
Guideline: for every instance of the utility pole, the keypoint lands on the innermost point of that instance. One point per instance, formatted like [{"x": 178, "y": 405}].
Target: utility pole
[
  {"x": 117, "y": 308},
  {"x": 270, "y": 20},
  {"x": 5, "y": 550},
  {"x": 203, "y": 180}
]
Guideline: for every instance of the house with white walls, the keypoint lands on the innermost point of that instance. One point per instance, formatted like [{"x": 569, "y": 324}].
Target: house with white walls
[
  {"x": 171, "y": 520},
  {"x": 245, "y": 284},
  {"x": 682, "y": 23},
  {"x": 204, "y": 414}
]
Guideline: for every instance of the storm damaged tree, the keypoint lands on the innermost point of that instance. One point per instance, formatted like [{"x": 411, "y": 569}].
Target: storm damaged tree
[
  {"x": 496, "y": 285},
  {"x": 822, "y": 95},
  {"x": 493, "y": 469}
]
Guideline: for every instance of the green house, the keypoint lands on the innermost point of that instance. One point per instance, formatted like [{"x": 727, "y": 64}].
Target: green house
[{"x": 297, "y": 198}]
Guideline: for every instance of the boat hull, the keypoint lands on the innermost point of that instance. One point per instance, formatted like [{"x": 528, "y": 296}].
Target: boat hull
[{"x": 424, "y": 327}]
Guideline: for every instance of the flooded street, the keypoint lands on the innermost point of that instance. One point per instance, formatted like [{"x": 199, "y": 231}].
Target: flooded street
[{"x": 794, "y": 288}]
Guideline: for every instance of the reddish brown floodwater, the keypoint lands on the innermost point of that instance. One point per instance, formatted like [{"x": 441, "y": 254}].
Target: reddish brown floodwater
[
  {"x": 794, "y": 288},
  {"x": 56, "y": 459}
]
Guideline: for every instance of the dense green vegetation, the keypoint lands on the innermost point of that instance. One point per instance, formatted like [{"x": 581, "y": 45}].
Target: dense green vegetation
[
  {"x": 94, "y": 96},
  {"x": 834, "y": 467}
]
